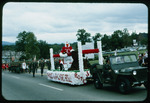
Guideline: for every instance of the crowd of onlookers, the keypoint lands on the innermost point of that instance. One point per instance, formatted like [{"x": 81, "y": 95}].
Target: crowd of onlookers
[{"x": 143, "y": 59}]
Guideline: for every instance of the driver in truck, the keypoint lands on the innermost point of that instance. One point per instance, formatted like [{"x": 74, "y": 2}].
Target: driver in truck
[{"x": 107, "y": 70}]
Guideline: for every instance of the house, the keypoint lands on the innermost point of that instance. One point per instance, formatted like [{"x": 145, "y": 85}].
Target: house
[{"x": 8, "y": 54}]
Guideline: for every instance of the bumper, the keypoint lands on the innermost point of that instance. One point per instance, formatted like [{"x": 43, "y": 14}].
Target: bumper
[{"x": 138, "y": 83}]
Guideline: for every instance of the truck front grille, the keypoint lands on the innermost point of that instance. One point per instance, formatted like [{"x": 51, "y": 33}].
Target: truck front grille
[{"x": 141, "y": 75}]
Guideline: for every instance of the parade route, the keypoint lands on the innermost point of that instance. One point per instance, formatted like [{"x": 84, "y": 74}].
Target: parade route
[
  {"x": 25, "y": 87},
  {"x": 51, "y": 87}
]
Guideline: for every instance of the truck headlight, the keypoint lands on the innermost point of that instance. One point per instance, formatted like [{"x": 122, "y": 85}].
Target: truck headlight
[
  {"x": 134, "y": 72},
  {"x": 116, "y": 71}
]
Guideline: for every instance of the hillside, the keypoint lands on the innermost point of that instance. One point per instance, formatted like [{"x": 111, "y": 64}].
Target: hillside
[{"x": 7, "y": 43}]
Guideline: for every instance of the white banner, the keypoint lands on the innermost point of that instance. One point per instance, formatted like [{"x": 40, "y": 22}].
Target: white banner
[{"x": 73, "y": 78}]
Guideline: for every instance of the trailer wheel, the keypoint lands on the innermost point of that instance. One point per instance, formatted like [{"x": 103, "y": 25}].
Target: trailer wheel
[{"x": 98, "y": 84}]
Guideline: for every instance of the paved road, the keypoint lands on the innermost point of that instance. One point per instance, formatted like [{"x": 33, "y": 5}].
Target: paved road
[{"x": 25, "y": 87}]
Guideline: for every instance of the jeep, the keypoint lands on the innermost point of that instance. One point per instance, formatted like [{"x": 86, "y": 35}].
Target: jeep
[
  {"x": 125, "y": 73},
  {"x": 15, "y": 67}
]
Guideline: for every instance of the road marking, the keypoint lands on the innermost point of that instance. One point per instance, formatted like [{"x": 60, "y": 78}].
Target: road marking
[
  {"x": 40, "y": 73},
  {"x": 51, "y": 87},
  {"x": 15, "y": 77}
]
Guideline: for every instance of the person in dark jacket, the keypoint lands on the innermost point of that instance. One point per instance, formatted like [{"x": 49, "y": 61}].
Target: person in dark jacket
[
  {"x": 42, "y": 66},
  {"x": 140, "y": 61},
  {"x": 48, "y": 64},
  {"x": 34, "y": 66},
  {"x": 30, "y": 67},
  {"x": 107, "y": 70}
]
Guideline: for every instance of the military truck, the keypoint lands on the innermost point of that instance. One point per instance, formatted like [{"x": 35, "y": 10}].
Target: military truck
[
  {"x": 15, "y": 66},
  {"x": 125, "y": 73}
]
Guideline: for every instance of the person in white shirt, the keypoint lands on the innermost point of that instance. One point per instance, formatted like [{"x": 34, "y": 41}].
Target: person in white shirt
[{"x": 24, "y": 66}]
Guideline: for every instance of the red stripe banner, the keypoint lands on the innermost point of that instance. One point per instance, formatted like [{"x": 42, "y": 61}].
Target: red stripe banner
[{"x": 88, "y": 51}]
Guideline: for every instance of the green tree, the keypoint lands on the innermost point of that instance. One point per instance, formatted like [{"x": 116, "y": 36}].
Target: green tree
[
  {"x": 143, "y": 38},
  {"x": 31, "y": 47},
  {"x": 83, "y": 36},
  {"x": 115, "y": 40},
  {"x": 106, "y": 42},
  {"x": 95, "y": 38},
  {"x": 44, "y": 49},
  {"x": 27, "y": 44},
  {"x": 134, "y": 36},
  {"x": 126, "y": 38},
  {"x": 56, "y": 47},
  {"x": 9, "y": 47},
  {"x": 21, "y": 42}
]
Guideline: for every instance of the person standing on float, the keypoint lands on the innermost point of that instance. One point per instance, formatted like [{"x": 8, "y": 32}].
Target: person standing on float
[
  {"x": 66, "y": 54},
  {"x": 67, "y": 49}
]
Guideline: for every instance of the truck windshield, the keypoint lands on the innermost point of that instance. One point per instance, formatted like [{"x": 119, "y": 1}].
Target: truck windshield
[{"x": 123, "y": 59}]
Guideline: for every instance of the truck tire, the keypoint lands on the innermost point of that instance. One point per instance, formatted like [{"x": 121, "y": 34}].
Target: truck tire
[
  {"x": 124, "y": 85},
  {"x": 98, "y": 84}
]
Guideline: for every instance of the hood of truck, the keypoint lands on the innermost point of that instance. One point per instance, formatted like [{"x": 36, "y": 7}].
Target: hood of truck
[
  {"x": 129, "y": 69},
  {"x": 127, "y": 66}
]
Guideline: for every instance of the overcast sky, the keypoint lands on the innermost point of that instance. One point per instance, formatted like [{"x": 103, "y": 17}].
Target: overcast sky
[{"x": 59, "y": 22}]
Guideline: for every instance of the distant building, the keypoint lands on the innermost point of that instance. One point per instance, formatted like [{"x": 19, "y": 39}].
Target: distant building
[{"x": 7, "y": 55}]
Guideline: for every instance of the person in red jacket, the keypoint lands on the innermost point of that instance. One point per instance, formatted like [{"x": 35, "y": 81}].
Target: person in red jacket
[
  {"x": 66, "y": 50},
  {"x": 7, "y": 66},
  {"x": 65, "y": 53},
  {"x": 3, "y": 66}
]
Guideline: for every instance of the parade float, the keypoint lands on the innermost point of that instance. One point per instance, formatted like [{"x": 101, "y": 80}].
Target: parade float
[{"x": 75, "y": 68}]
